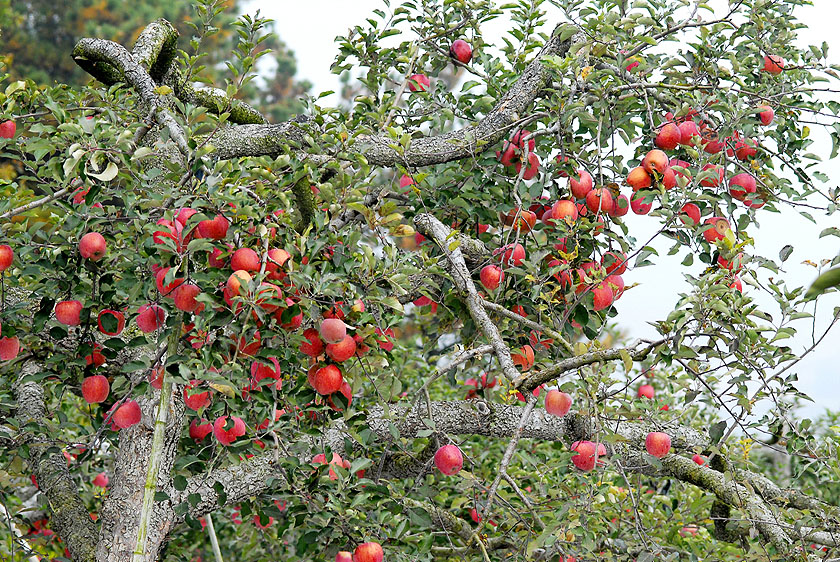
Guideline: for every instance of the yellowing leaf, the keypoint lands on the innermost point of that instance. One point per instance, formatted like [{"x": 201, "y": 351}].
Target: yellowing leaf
[
  {"x": 110, "y": 173},
  {"x": 225, "y": 389}
]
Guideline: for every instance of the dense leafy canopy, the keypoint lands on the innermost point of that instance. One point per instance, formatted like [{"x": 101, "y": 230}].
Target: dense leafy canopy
[{"x": 447, "y": 223}]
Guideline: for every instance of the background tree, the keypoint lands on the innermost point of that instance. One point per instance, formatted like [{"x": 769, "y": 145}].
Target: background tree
[{"x": 350, "y": 331}]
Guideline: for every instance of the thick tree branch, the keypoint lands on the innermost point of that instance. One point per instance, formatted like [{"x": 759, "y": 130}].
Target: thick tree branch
[
  {"x": 380, "y": 150},
  {"x": 69, "y": 516}
]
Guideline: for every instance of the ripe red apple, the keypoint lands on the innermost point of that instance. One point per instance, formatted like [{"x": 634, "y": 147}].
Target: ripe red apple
[
  {"x": 333, "y": 330},
  {"x": 582, "y": 185},
  {"x": 92, "y": 246},
  {"x": 127, "y": 415},
  {"x": 557, "y": 403},
  {"x": 313, "y": 347},
  {"x": 646, "y": 391},
  {"x": 184, "y": 297},
  {"x": 621, "y": 206},
  {"x": 199, "y": 429},
  {"x": 215, "y": 229},
  {"x": 533, "y": 167},
  {"x": 690, "y": 214},
  {"x": 101, "y": 480},
  {"x": 343, "y": 350},
  {"x": 658, "y": 444},
  {"x": 510, "y": 254},
  {"x": 668, "y": 137},
  {"x": 7, "y": 256},
  {"x": 736, "y": 284},
  {"x": 655, "y": 161},
  {"x": 742, "y": 185},
  {"x": 195, "y": 400},
  {"x": 669, "y": 178},
  {"x": 327, "y": 380},
  {"x": 584, "y": 459},
  {"x": 95, "y": 389},
  {"x": 95, "y": 358},
  {"x": 491, "y": 277},
  {"x": 614, "y": 262},
  {"x": 228, "y": 436},
  {"x": 150, "y": 317},
  {"x": 449, "y": 460},
  {"x": 637, "y": 203},
  {"x": 616, "y": 285},
  {"x": 368, "y": 552},
  {"x": 156, "y": 377},
  {"x": 115, "y": 320},
  {"x": 7, "y": 129},
  {"x": 603, "y": 296},
  {"x": 599, "y": 200},
  {"x": 688, "y": 130},
  {"x": 699, "y": 459},
  {"x": 418, "y": 82},
  {"x": 67, "y": 312},
  {"x": 720, "y": 226},
  {"x": 563, "y": 209},
  {"x": 773, "y": 64},
  {"x": 717, "y": 175},
  {"x": 235, "y": 282},
  {"x": 245, "y": 259},
  {"x": 461, "y": 51},
  {"x": 765, "y": 114},
  {"x": 744, "y": 149},
  {"x": 167, "y": 290},
  {"x": 638, "y": 179},
  {"x": 9, "y": 348},
  {"x": 294, "y": 322},
  {"x": 343, "y": 556},
  {"x": 277, "y": 258}
]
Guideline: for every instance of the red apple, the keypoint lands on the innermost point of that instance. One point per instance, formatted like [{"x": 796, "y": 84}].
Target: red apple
[
  {"x": 449, "y": 460},
  {"x": 584, "y": 459},
  {"x": 277, "y": 258},
  {"x": 655, "y": 161},
  {"x": 646, "y": 391},
  {"x": 245, "y": 259},
  {"x": 658, "y": 444},
  {"x": 599, "y": 200},
  {"x": 215, "y": 229},
  {"x": 150, "y": 317},
  {"x": 184, "y": 297},
  {"x": 720, "y": 226},
  {"x": 563, "y": 209},
  {"x": 688, "y": 130},
  {"x": 491, "y": 277},
  {"x": 557, "y": 403},
  {"x": 343, "y": 556},
  {"x": 236, "y": 280},
  {"x": 195, "y": 400},
  {"x": 773, "y": 64},
  {"x": 603, "y": 296},
  {"x": 199, "y": 429},
  {"x": 95, "y": 389},
  {"x": 742, "y": 185},
  {"x": 228, "y": 436},
  {"x": 690, "y": 214},
  {"x": 67, "y": 312},
  {"x": 621, "y": 206},
  {"x": 167, "y": 290},
  {"x": 616, "y": 285},
  {"x": 368, "y": 552},
  {"x": 699, "y": 459},
  {"x": 313, "y": 347},
  {"x": 461, "y": 51},
  {"x": 7, "y": 129},
  {"x": 638, "y": 179},
  {"x": 333, "y": 330},
  {"x": 92, "y": 246},
  {"x": 115, "y": 320},
  {"x": 7, "y": 256},
  {"x": 765, "y": 114},
  {"x": 101, "y": 480},
  {"x": 418, "y": 82},
  {"x": 510, "y": 254},
  {"x": 9, "y": 348},
  {"x": 327, "y": 380},
  {"x": 582, "y": 185},
  {"x": 343, "y": 350},
  {"x": 614, "y": 262},
  {"x": 669, "y": 178},
  {"x": 127, "y": 415},
  {"x": 533, "y": 167},
  {"x": 668, "y": 137},
  {"x": 717, "y": 175}
]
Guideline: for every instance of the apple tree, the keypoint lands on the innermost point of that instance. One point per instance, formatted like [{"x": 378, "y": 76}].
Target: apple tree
[{"x": 388, "y": 330}]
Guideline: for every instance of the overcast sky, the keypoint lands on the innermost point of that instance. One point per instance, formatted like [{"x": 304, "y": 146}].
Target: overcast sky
[{"x": 309, "y": 29}]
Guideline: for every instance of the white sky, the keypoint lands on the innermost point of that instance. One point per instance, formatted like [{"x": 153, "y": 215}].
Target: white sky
[{"x": 309, "y": 29}]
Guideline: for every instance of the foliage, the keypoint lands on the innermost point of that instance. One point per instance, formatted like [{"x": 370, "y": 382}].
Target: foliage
[{"x": 722, "y": 366}]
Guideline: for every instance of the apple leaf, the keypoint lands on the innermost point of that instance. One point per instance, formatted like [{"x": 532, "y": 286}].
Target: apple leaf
[{"x": 108, "y": 174}]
